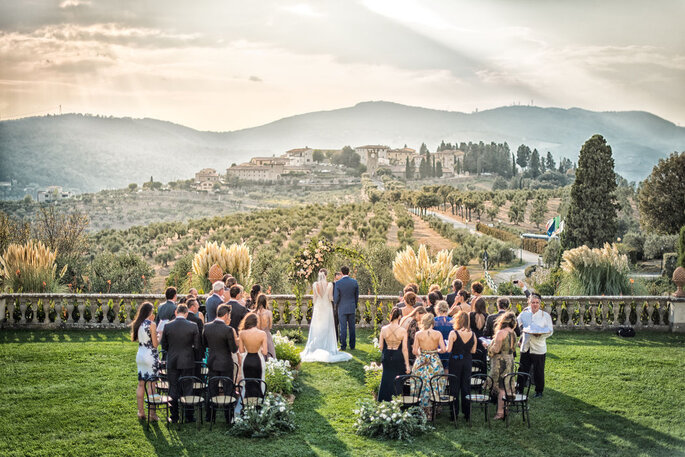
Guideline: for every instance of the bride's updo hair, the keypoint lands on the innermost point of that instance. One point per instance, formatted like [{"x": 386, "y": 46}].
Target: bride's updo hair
[{"x": 322, "y": 275}]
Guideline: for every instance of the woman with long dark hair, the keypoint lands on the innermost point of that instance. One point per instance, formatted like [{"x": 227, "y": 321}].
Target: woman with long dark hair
[
  {"x": 252, "y": 343},
  {"x": 392, "y": 342},
  {"x": 144, "y": 331},
  {"x": 265, "y": 322},
  {"x": 251, "y": 302}
]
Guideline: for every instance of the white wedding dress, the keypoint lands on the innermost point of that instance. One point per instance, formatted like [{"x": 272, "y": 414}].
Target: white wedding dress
[{"x": 322, "y": 344}]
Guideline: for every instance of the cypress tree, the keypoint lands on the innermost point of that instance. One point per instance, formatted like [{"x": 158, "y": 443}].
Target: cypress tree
[
  {"x": 592, "y": 218},
  {"x": 438, "y": 169}
]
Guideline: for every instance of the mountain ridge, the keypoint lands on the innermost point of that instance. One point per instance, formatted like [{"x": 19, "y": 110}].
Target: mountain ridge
[{"x": 91, "y": 152}]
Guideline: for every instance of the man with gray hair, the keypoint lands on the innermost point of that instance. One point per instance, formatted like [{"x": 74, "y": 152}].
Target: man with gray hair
[{"x": 214, "y": 301}]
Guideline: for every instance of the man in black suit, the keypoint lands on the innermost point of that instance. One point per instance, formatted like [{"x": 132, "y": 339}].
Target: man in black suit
[
  {"x": 221, "y": 340},
  {"x": 238, "y": 311},
  {"x": 181, "y": 341},
  {"x": 338, "y": 275},
  {"x": 502, "y": 307},
  {"x": 456, "y": 285},
  {"x": 193, "y": 311},
  {"x": 166, "y": 311},
  {"x": 214, "y": 301}
]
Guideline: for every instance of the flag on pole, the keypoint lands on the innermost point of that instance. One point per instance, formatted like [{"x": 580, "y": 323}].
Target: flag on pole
[
  {"x": 491, "y": 283},
  {"x": 559, "y": 230},
  {"x": 553, "y": 225}
]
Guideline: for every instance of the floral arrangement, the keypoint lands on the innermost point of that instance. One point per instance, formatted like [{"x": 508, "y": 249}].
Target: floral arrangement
[
  {"x": 273, "y": 417},
  {"x": 412, "y": 267},
  {"x": 386, "y": 420},
  {"x": 372, "y": 377},
  {"x": 235, "y": 259},
  {"x": 279, "y": 376},
  {"x": 286, "y": 349},
  {"x": 594, "y": 271},
  {"x": 30, "y": 267},
  {"x": 306, "y": 265}
]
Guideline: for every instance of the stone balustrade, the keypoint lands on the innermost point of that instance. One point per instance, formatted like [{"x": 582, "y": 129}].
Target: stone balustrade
[{"x": 103, "y": 311}]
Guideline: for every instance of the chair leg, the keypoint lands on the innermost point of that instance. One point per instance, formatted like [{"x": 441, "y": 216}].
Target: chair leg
[
  {"x": 470, "y": 412},
  {"x": 454, "y": 413},
  {"x": 487, "y": 417},
  {"x": 506, "y": 415}
]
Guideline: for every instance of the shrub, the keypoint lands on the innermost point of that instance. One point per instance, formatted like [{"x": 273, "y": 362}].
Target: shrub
[
  {"x": 681, "y": 247},
  {"x": 279, "y": 376},
  {"x": 387, "y": 420},
  {"x": 670, "y": 264},
  {"x": 178, "y": 276},
  {"x": 30, "y": 267},
  {"x": 657, "y": 245},
  {"x": 508, "y": 288},
  {"x": 293, "y": 334},
  {"x": 120, "y": 273},
  {"x": 534, "y": 245},
  {"x": 286, "y": 350},
  {"x": 552, "y": 253},
  {"x": 372, "y": 377},
  {"x": 635, "y": 245},
  {"x": 274, "y": 417},
  {"x": 498, "y": 233},
  {"x": 594, "y": 271}
]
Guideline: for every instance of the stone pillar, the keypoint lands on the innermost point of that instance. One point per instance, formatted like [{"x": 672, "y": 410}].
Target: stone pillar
[{"x": 676, "y": 317}]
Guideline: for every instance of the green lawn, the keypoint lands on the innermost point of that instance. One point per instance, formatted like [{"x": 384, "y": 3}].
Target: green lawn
[{"x": 73, "y": 393}]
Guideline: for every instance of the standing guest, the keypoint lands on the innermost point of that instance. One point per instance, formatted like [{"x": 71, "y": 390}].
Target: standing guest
[
  {"x": 409, "y": 303},
  {"x": 537, "y": 326},
  {"x": 502, "y": 307},
  {"x": 392, "y": 342},
  {"x": 193, "y": 292},
  {"x": 181, "y": 341},
  {"x": 406, "y": 289},
  {"x": 433, "y": 298},
  {"x": 194, "y": 314},
  {"x": 336, "y": 319},
  {"x": 252, "y": 343},
  {"x": 230, "y": 282},
  {"x": 443, "y": 324},
  {"x": 144, "y": 331},
  {"x": 214, "y": 300},
  {"x": 477, "y": 318},
  {"x": 501, "y": 352},
  {"x": 221, "y": 341},
  {"x": 411, "y": 324},
  {"x": 456, "y": 287},
  {"x": 476, "y": 290},
  {"x": 166, "y": 310},
  {"x": 251, "y": 302},
  {"x": 242, "y": 298},
  {"x": 346, "y": 297},
  {"x": 238, "y": 311},
  {"x": 427, "y": 343},
  {"x": 435, "y": 288},
  {"x": 265, "y": 322},
  {"x": 182, "y": 300},
  {"x": 461, "y": 346},
  {"x": 461, "y": 303}
]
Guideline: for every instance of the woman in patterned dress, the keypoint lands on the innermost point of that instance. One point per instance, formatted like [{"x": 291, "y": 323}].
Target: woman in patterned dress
[
  {"x": 144, "y": 330},
  {"x": 427, "y": 344},
  {"x": 501, "y": 352}
]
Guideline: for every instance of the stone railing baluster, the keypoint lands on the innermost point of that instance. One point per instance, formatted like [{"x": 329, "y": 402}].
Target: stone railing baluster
[
  {"x": 127, "y": 312},
  {"x": 22, "y": 310},
  {"x": 46, "y": 311},
  {"x": 81, "y": 305},
  {"x": 303, "y": 312},
  {"x": 3, "y": 308},
  {"x": 93, "y": 311},
  {"x": 10, "y": 310}
]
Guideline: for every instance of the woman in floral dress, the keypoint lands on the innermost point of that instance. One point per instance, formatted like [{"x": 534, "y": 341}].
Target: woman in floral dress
[
  {"x": 427, "y": 344},
  {"x": 144, "y": 330}
]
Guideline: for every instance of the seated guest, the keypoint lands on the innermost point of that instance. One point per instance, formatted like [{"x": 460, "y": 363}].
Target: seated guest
[
  {"x": 181, "y": 341},
  {"x": 502, "y": 307},
  {"x": 166, "y": 311},
  {"x": 392, "y": 342},
  {"x": 443, "y": 324},
  {"x": 221, "y": 341},
  {"x": 427, "y": 343},
  {"x": 265, "y": 322},
  {"x": 460, "y": 347},
  {"x": 410, "y": 323},
  {"x": 252, "y": 344},
  {"x": 144, "y": 331},
  {"x": 478, "y": 318},
  {"x": 501, "y": 352},
  {"x": 461, "y": 303},
  {"x": 456, "y": 287},
  {"x": 433, "y": 299},
  {"x": 238, "y": 311},
  {"x": 214, "y": 300}
]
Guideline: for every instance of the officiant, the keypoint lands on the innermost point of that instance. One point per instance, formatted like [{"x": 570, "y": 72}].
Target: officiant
[{"x": 536, "y": 326}]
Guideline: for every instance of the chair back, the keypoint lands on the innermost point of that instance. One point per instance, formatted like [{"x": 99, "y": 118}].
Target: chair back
[
  {"x": 154, "y": 398},
  {"x": 478, "y": 367},
  {"x": 481, "y": 385},
  {"x": 409, "y": 388},
  {"x": 442, "y": 387},
  {"x": 517, "y": 386},
  {"x": 194, "y": 385},
  {"x": 225, "y": 391},
  {"x": 253, "y": 391}
]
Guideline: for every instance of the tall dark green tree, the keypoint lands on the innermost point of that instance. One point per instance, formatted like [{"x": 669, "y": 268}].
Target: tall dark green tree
[
  {"x": 424, "y": 149},
  {"x": 549, "y": 162},
  {"x": 513, "y": 165},
  {"x": 422, "y": 169},
  {"x": 522, "y": 156},
  {"x": 592, "y": 214},
  {"x": 409, "y": 169},
  {"x": 661, "y": 197},
  {"x": 535, "y": 164},
  {"x": 433, "y": 169},
  {"x": 438, "y": 169}
]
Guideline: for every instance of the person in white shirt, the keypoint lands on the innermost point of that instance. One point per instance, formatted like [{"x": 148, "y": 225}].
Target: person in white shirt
[{"x": 536, "y": 326}]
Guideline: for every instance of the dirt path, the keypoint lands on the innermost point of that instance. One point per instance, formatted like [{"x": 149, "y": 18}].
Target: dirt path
[{"x": 423, "y": 234}]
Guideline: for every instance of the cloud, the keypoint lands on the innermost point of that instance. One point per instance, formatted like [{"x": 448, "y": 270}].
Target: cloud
[
  {"x": 74, "y": 3},
  {"x": 302, "y": 9},
  {"x": 255, "y": 79}
]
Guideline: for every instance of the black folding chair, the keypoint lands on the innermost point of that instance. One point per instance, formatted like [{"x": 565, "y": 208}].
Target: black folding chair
[
  {"x": 478, "y": 367},
  {"x": 252, "y": 391},
  {"x": 441, "y": 388},
  {"x": 154, "y": 400},
  {"x": 193, "y": 401},
  {"x": 481, "y": 385},
  {"x": 409, "y": 389},
  {"x": 225, "y": 399},
  {"x": 516, "y": 394}
]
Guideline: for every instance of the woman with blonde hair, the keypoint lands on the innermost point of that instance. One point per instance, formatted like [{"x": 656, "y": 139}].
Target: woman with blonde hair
[
  {"x": 428, "y": 343},
  {"x": 443, "y": 324},
  {"x": 461, "y": 345},
  {"x": 265, "y": 322},
  {"x": 501, "y": 352}
]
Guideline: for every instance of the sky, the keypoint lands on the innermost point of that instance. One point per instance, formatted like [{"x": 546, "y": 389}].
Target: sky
[{"x": 225, "y": 65}]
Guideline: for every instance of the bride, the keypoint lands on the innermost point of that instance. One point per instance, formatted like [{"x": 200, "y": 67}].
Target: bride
[{"x": 322, "y": 344}]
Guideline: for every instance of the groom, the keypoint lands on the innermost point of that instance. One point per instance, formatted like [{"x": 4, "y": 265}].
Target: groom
[{"x": 346, "y": 297}]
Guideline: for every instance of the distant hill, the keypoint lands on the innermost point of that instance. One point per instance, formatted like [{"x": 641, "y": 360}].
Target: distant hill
[{"x": 92, "y": 152}]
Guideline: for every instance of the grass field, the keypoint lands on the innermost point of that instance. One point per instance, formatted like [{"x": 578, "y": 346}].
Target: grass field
[{"x": 73, "y": 393}]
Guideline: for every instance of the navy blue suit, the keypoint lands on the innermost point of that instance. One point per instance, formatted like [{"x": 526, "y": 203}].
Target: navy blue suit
[
  {"x": 211, "y": 305},
  {"x": 346, "y": 297}
]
